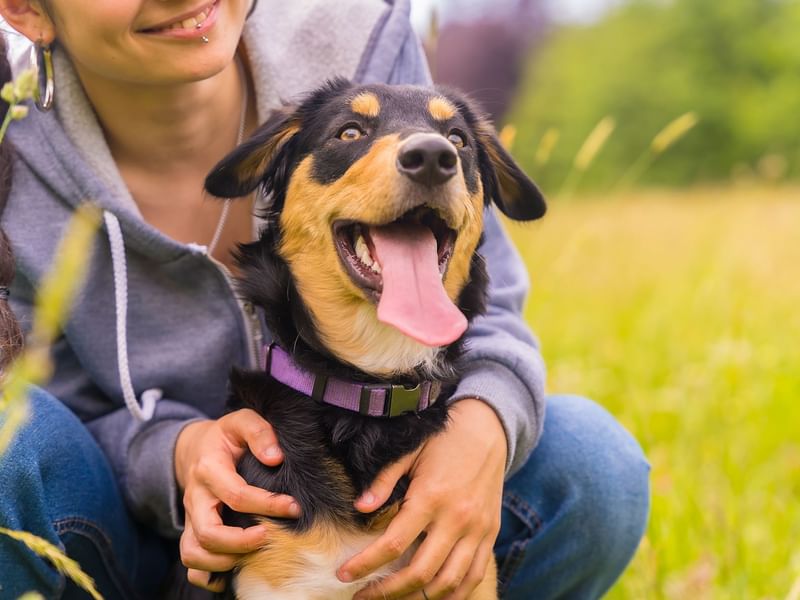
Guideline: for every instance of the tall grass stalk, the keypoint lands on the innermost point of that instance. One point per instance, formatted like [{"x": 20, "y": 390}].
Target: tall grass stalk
[
  {"x": 794, "y": 593},
  {"x": 507, "y": 136},
  {"x": 33, "y": 366},
  {"x": 63, "y": 563},
  {"x": 15, "y": 93},
  {"x": 663, "y": 141},
  {"x": 587, "y": 154},
  {"x": 56, "y": 292},
  {"x": 546, "y": 146}
]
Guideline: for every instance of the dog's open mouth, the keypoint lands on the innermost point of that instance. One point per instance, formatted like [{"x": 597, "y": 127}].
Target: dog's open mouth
[
  {"x": 400, "y": 266},
  {"x": 354, "y": 242}
]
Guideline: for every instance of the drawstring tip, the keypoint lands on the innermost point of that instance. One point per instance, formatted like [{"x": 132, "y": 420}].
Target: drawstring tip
[{"x": 149, "y": 399}]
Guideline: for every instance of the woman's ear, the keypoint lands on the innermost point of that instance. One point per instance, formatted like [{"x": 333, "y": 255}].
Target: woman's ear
[
  {"x": 511, "y": 189},
  {"x": 29, "y": 18},
  {"x": 246, "y": 167}
]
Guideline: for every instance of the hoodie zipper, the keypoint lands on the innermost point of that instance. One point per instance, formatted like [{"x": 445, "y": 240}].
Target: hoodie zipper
[{"x": 252, "y": 324}]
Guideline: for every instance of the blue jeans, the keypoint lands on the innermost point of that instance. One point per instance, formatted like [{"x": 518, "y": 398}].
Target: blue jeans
[{"x": 572, "y": 517}]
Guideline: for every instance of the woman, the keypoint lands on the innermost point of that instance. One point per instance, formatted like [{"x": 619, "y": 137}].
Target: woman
[{"x": 150, "y": 94}]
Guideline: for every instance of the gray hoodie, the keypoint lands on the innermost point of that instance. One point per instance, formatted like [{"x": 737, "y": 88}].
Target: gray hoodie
[{"x": 158, "y": 325}]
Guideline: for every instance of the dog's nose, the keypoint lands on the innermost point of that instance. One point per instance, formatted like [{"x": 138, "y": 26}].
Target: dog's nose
[{"x": 428, "y": 159}]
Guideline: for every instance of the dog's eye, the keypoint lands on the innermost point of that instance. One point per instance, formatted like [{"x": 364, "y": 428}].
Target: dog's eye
[
  {"x": 350, "y": 133},
  {"x": 457, "y": 138}
]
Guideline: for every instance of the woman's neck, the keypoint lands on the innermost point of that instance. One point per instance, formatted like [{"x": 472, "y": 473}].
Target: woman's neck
[
  {"x": 165, "y": 139},
  {"x": 164, "y": 128}
]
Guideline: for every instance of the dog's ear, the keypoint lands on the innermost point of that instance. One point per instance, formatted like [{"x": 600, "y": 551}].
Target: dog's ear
[
  {"x": 246, "y": 166},
  {"x": 514, "y": 192}
]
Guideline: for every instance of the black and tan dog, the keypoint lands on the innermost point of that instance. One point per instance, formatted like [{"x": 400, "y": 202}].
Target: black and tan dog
[{"x": 368, "y": 274}]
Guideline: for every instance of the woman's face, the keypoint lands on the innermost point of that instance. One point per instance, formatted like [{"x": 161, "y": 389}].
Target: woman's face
[{"x": 149, "y": 41}]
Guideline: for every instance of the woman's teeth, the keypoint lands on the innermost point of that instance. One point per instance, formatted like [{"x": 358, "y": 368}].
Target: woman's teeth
[
  {"x": 362, "y": 251},
  {"x": 191, "y": 22}
]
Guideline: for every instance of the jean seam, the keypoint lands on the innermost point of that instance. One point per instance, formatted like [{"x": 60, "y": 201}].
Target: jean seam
[
  {"x": 516, "y": 552},
  {"x": 101, "y": 541}
]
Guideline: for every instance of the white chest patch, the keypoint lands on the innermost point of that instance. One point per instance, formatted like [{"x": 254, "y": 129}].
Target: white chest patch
[{"x": 316, "y": 578}]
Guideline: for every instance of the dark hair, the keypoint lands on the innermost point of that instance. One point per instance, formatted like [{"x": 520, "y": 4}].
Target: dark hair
[{"x": 10, "y": 333}]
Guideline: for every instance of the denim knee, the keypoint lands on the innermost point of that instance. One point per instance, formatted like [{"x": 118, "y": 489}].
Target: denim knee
[
  {"x": 58, "y": 485},
  {"x": 575, "y": 513}
]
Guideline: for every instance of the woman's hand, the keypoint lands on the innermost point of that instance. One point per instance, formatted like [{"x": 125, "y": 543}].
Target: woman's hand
[
  {"x": 206, "y": 454},
  {"x": 454, "y": 497}
]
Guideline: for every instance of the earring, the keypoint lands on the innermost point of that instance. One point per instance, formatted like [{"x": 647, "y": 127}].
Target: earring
[
  {"x": 252, "y": 9},
  {"x": 42, "y": 59}
]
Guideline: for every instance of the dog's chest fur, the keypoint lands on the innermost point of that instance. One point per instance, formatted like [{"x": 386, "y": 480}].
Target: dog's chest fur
[{"x": 331, "y": 455}]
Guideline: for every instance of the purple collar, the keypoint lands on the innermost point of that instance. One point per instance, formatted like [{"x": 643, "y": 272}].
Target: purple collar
[{"x": 374, "y": 400}]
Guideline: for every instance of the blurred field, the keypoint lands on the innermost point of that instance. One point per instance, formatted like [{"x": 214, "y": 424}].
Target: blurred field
[{"x": 680, "y": 312}]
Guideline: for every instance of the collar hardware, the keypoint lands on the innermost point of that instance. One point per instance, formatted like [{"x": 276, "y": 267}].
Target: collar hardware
[
  {"x": 372, "y": 400},
  {"x": 401, "y": 400}
]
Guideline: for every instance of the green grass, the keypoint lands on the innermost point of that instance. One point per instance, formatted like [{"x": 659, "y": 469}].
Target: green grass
[{"x": 680, "y": 313}]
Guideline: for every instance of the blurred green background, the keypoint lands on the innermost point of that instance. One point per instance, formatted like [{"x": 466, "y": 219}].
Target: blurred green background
[
  {"x": 643, "y": 63},
  {"x": 666, "y": 275}
]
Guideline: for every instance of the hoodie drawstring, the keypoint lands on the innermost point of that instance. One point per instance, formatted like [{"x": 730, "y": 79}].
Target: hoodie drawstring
[{"x": 149, "y": 397}]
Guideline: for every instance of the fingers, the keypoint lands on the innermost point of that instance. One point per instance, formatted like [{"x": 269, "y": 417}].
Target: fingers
[
  {"x": 221, "y": 539},
  {"x": 246, "y": 428},
  {"x": 194, "y": 556},
  {"x": 207, "y": 544},
  {"x": 378, "y": 493},
  {"x": 201, "y": 579},
  {"x": 218, "y": 475},
  {"x": 452, "y": 575},
  {"x": 427, "y": 561},
  {"x": 398, "y": 537},
  {"x": 476, "y": 573}
]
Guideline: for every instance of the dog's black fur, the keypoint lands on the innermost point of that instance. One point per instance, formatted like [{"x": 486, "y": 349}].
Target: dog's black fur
[{"x": 311, "y": 433}]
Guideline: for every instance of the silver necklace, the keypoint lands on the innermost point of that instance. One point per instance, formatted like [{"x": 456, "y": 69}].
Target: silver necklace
[{"x": 223, "y": 217}]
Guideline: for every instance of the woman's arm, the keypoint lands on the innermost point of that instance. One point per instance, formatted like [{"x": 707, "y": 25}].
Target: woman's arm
[{"x": 144, "y": 455}]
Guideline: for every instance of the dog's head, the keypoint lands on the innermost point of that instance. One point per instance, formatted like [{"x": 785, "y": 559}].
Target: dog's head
[{"x": 377, "y": 196}]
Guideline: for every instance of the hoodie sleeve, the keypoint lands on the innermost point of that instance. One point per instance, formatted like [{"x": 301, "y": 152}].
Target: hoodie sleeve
[
  {"x": 141, "y": 454},
  {"x": 504, "y": 367},
  {"x": 143, "y": 459}
]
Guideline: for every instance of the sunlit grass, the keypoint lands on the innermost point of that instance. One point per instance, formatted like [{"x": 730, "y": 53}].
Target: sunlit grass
[
  {"x": 680, "y": 313},
  {"x": 664, "y": 140},
  {"x": 588, "y": 152}
]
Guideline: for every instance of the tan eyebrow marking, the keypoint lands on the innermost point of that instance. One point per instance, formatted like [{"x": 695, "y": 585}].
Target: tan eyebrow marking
[
  {"x": 366, "y": 104},
  {"x": 441, "y": 108}
]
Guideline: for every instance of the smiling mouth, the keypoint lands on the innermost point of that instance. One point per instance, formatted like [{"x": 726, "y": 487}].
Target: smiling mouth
[
  {"x": 188, "y": 23},
  {"x": 357, "y": 252}
]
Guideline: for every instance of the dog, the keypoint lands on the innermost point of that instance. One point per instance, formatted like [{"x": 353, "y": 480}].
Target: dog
[{"x": 368, "y": 274}]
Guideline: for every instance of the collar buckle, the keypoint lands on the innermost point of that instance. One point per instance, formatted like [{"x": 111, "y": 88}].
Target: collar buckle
[{"x": 401, "y": 400}]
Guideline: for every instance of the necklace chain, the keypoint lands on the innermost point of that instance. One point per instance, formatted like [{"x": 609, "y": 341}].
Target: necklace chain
[{"x": 223, "y": 217}]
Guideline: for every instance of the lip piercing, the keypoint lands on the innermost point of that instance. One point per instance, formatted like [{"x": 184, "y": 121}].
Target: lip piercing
[{"x": 204, "y": 39}]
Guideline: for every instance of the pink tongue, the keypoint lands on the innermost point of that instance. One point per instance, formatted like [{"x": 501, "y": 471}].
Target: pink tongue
[{"x": 413, "y": 298}]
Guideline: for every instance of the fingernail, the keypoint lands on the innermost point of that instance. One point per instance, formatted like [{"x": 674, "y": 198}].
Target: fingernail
[
  {"x": 345, "y": 576},
  {"x": 272, "y": 452},
  {"x": 294, "y": 509},
  {"x": 367, "y": 498}
]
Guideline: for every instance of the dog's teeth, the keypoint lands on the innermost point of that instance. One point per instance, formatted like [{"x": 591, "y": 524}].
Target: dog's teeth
[
  {"x": 376, "y": 268},
  {"x": 363, "y": 252}
]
